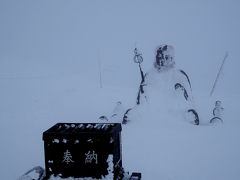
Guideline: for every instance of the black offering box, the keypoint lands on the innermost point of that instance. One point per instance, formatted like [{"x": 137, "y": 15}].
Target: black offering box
[{"x": 81, "y": 150}]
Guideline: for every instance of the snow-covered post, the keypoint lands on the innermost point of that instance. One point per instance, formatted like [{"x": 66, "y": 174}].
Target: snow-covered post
[{"x": 100, "y": 72}]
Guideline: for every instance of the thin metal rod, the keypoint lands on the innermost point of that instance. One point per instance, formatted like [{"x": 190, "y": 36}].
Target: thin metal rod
[
  {"x": 219, "y": 72},
  {"x": 100, "y": 72}
]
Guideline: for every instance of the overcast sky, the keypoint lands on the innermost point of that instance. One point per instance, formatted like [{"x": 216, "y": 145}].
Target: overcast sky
[{"x": 59, "y": 36}]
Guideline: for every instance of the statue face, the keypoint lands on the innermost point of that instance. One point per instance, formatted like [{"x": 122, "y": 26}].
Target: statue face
[
  {"x": 218, "y": 103},
  {"x": 165, "y": 56}
]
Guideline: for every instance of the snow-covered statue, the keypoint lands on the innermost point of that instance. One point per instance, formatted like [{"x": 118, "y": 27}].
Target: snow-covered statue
[
  {"x": 217, "y": 112},
  {"x": 167, "y": 87}
]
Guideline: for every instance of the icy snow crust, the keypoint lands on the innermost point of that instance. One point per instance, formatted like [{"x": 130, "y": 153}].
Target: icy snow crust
[{"x": 158, "y": 142}]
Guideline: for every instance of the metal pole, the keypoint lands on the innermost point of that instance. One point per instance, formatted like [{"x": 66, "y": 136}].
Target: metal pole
[
  {"x": 100, "y": 72},
  {"x": 220, "y": 70}
]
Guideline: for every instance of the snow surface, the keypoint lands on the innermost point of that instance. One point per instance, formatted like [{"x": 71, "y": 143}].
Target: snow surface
[{"x": 50, "y": 57}]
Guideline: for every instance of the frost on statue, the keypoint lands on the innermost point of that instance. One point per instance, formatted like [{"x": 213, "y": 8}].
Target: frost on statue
[{"x": 169, "y": 81}]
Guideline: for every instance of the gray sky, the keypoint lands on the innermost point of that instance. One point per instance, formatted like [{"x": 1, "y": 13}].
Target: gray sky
[{"x": 60, "y": 36}]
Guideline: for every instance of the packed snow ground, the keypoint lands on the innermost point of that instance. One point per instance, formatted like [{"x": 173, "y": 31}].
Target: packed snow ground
[
  {"x": 154, "y": 143},
  {"x": 51, "y": 56}
]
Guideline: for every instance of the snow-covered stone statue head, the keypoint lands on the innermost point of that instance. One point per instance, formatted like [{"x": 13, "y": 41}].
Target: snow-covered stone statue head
[
  {"x": 218, "y": 103},
  {"x": 164, "y": 57}
]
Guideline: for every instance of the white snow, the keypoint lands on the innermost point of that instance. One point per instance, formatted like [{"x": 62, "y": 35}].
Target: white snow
[{"x": 49, "y": 72}]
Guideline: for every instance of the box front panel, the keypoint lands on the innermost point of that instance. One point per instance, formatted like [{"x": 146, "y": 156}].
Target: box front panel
[
  {"x": 87, "y": 157},
  {"x": 83, "y": 150}
]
